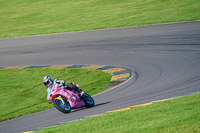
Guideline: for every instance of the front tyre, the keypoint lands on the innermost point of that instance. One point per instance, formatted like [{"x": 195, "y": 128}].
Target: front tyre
[
  {"x": 89, "y": 102},
  {"x": 65, "y": 108}
]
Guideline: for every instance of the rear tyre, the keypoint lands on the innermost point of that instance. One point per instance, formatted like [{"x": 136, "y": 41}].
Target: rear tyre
[
  {"x": 65, "y": 108},
  {"x": 89, "y": 102}
]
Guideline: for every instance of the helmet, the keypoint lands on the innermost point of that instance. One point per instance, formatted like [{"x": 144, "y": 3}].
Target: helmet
[{"x": 47, "y": 81}]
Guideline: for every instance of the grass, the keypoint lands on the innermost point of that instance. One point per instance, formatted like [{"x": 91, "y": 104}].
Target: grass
[
  {"x": 180, "y": 115},
  {"x": 23, "y": 92},
  {"x": 32, "y": 17}
]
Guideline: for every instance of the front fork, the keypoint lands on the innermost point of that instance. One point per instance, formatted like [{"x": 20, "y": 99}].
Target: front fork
[
  {"x": 63, "y": 102},
  {"x": 61, "y": 99}
]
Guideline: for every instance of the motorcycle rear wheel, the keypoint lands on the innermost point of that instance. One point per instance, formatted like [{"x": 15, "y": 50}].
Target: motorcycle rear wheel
[
  {"x": 65, "y": 108},
  {"x": 89, "y": 101}
]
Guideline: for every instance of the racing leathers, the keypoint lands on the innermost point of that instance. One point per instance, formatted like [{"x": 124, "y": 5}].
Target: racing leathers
[{"x": 72, "y": 86}]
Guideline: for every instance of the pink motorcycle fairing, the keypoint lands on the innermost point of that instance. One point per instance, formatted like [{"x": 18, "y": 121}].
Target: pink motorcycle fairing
[{"x": 72, "y": 98}]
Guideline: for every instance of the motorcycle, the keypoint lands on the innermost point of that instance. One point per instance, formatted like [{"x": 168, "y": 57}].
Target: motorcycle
[{"x": 64, "y": 100}]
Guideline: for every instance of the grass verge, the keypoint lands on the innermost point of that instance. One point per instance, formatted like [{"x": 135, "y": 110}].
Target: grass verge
[
  {"x": 22, "y": 90},
  {"x": 179, "y": 115},
  {"x": 31, "y": 17}
]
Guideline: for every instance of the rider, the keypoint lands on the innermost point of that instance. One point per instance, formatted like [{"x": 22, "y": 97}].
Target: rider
[{"x": 48, "y": 82}]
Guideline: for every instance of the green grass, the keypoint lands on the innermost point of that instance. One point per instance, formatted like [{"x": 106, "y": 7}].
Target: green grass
[
  {"x": 180, "y": 115},
  {"x": 31, "y": 17},
  {"x": 23, "y": 92}
]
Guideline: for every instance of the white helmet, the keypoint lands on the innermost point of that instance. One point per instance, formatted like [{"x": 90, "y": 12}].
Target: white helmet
[{"x": 47, "y": 81}]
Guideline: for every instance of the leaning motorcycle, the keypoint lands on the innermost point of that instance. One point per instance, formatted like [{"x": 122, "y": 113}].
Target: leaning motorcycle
[{"x": 65, "y": 100}]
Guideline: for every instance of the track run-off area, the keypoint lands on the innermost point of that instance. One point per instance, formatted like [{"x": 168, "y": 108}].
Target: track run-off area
[{"x": 165, "y": 59}]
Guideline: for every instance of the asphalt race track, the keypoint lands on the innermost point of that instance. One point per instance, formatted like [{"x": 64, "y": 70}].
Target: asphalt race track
[{"x": 165, "y": 58}]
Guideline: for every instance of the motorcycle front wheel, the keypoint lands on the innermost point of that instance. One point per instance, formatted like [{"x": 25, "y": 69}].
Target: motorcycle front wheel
[{"x": 65, "y": 108}]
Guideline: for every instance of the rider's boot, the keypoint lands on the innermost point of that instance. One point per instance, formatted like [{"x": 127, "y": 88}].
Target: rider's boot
[
  {"x": 75, "y": 87},
  {"x": 80, "y": 93}
]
